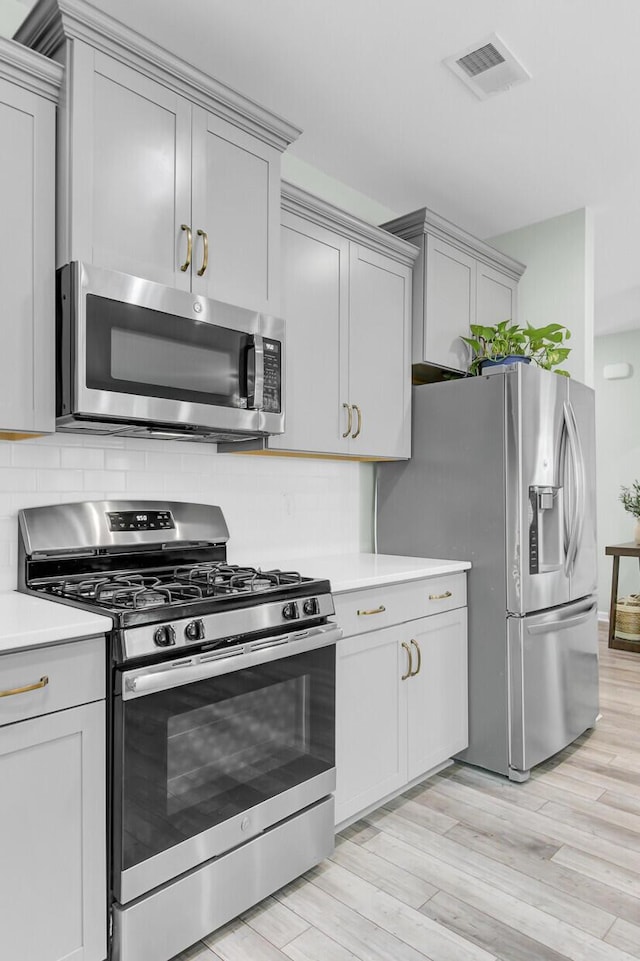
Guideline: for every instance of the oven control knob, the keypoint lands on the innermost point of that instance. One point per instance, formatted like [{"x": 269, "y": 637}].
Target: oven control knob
[
  {"x": 164, "y": 636},
  {"x": 194, "y": 631},
  {"x": 290, "y": 611},
  {"x": 311, "y": 606}
]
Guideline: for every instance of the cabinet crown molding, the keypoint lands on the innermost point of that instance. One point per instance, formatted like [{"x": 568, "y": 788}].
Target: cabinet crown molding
[
  {"x": 415, "y": 225},
  {"x": 53, "y": 22},
  {"x": 295, "y": 200},
  {"x": 30, "y": 70}
]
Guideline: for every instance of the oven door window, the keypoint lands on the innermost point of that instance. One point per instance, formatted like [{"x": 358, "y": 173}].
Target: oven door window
[
  {"x": 194, "y": 756},
  {"x": 136, "y": 350}
]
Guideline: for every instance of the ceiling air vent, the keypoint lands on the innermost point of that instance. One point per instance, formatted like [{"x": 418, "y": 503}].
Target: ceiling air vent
[{"x": 487, "y": 67}]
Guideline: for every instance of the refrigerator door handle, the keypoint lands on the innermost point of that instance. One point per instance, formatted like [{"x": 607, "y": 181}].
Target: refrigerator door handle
[
  {"x": 562, "y": 624},
  {"x": 578, "y": 495}
]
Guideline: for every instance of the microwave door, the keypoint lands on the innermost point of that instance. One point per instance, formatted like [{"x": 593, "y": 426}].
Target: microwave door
[{"x": 145, "y": 354}]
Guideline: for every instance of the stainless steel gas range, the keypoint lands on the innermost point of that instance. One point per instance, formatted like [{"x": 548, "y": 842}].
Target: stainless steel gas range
[{"x": 221, "y": 712}]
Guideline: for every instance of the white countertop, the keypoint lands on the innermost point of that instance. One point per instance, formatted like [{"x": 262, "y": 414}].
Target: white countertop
[
  {"x": 27, "y": 621},
  {"x": 352, "y": 572}
]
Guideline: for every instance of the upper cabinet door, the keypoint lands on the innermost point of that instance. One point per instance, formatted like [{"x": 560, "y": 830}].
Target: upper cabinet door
[
  {"x": 495, "y": 296},
  {"x": 27, "y": 191},
  {"x": 235, "y": 215},
  {"x": 379, "y": 354},
  {"x": 132, "y": 191},
  {"x": 450, "y": 304},
  {"x": 315, "y": 303}
]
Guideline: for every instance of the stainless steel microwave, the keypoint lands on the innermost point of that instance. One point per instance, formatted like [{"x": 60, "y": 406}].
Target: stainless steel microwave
[{"x": 135, "y": 358}]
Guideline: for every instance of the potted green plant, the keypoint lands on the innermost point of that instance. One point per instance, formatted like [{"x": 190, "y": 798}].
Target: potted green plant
[
  {"x": 630, "y": 500},
  {"x": 507, "y": 342}
]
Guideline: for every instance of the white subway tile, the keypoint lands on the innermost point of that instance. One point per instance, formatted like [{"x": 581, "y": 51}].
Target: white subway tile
[
  {"x": 143, "y": 482},
  {"x": 26, "y": 499},
  {"x": 6, "y": 450},
  {"x": 158, "y": 461},
  {"x": 103, "y": 479},
  {"x": 124, "y": 460},
  {"x": 17, "y": 479},
  {"x": 30, "y": 455},
  {"x": 60, "y": 480},
  {"x": 84, "y": 458},
  {"x": 103, "y": 440}
]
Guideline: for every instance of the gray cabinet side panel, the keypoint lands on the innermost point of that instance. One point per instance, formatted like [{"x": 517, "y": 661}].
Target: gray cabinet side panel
[{"x": 449, "y": 501}]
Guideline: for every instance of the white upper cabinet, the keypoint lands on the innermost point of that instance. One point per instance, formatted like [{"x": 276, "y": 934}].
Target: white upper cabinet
[
  {"x": 29, "y": 87},
  {"x": 164, "y": 173},
  {"x": 347, "y": 303},
  {"x": 458, "y": 280}
]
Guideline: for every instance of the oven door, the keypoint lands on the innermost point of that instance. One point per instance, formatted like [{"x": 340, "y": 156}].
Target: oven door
[
  {"x": 211, "y": 750},
  {"x": 143, "y": 353}
]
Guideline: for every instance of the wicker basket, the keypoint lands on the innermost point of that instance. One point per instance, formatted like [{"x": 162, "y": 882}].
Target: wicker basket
[{"x": 628, "y": 618}]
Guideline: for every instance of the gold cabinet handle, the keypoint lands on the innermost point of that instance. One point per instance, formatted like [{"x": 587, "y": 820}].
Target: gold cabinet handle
[
  {"x": 205, "y": 251},
  {"x": 359, "y": 427},
  {"x": 409, "y": 672},
  {"x": 375, "y": 610},
  {"x": 349, "y": 420},
  {"x": 417, "y": 647},
  {"x": 187, "y": 263},
  {"x": 439, "y": 597},
  {"x": 24, "y": 690}
]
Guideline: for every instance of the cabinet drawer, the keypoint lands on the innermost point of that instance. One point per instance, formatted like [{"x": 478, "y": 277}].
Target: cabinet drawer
[
  {"x": 375, "y": 607},
  {"x": 75, "y": 674}
]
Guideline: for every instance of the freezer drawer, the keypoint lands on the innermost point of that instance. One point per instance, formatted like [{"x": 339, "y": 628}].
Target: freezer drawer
[{"x": 553, "y": 681}]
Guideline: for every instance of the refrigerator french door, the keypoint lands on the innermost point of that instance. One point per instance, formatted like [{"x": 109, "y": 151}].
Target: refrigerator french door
[{"x": 502, "y": 475}]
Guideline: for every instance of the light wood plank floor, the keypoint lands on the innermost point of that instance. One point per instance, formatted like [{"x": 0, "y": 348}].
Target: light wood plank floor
[{"x": 470, "y": 867}]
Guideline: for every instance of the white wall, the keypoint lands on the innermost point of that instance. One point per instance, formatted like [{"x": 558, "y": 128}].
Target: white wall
[
  {"x": 618, "y": 456},
  {"x": 311, "y": 178},
  {"x": 12, "y": 13},
  {"x": 557, "y": 286},
  {"x": 274, "y": 506}
]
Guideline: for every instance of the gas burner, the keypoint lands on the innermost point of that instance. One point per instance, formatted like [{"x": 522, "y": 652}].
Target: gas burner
[{"x": 232, "y": 579}]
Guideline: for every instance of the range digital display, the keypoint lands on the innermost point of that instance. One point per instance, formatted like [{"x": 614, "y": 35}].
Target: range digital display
[{"x": 135, "y": 521}]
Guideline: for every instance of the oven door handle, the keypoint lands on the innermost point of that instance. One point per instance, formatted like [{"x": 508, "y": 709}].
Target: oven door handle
[{"x": 176, "y": 674}]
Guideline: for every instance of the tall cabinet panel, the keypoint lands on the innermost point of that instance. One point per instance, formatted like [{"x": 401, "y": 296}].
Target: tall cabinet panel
[
  {"x": 379, "y": 322},
  {"x": 315, "y": 303},
  {"x": 236, "y": 213},
  {"x": 138, "y": 150},
  {"x": 28, "y": 93},
  {"x": 347, "y": 303}
]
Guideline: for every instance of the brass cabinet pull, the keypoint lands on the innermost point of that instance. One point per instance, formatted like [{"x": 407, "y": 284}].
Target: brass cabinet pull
[
  {"x": 187, "y": 263},
  {"x": 349, "y": 421},
  {"x": 439, "y": 597},
  {"x": 205, "y": 251},
  {"x": 417, "y": 647},
  {"x": 359, "y": 427},
  {"x": 375, "y": 610},
  {"x": 24, "y": 690},
  {"x": 409, "y": 672}
]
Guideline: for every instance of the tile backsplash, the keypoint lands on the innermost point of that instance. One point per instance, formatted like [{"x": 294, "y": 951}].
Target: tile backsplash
[{"x": 274, "y": 506}]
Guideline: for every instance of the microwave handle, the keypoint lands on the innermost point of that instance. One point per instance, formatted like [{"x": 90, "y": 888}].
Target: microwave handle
[{"x": 255, "y": 365}]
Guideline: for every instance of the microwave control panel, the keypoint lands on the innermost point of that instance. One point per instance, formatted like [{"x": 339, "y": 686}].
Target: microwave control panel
[{"x": 272, "y": 376}]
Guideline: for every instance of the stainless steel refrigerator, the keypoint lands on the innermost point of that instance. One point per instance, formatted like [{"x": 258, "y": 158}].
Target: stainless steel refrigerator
[{"x": 503, "y": 474}]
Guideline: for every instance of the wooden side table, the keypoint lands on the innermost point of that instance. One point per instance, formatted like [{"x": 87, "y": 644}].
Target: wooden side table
[{"x": 617, "y": 551}]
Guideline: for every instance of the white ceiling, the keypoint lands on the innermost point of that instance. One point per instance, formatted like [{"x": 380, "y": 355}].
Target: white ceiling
[{"x": 365, "y": 81}]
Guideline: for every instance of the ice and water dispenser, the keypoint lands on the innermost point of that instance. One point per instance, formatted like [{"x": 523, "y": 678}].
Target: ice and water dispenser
[{"x": 546, "y": 541}]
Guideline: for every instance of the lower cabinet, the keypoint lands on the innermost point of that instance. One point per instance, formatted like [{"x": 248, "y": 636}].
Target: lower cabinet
[
  {"x": 52, "y": 832},
  {"x": 401, "y": 706}
]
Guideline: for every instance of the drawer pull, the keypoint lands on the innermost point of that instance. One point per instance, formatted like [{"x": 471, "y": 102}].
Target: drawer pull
[
  {"x": 440, "y": 597},
  {"x": 24, "y": 690},
  {"x": 409, "y": 669},
  {"x": 417, "y": 647},
  {"x": 375, "y": 610}
]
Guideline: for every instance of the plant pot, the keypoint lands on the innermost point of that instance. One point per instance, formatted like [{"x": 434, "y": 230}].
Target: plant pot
[
  {"x": 636, "y": 532},
  {"x": 502, "y": 361}
]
